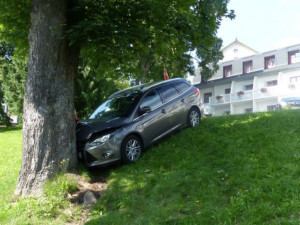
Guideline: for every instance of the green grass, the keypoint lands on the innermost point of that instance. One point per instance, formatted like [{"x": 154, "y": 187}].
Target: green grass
[
  {"x": 10, "y": 160},
  {"x": 50, "y": 208},
  {"x": 230, "y": 170}
]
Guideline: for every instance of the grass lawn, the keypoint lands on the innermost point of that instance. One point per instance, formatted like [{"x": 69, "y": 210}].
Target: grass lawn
[
  {"x": 10, "y": 163},
  {"x": 231, "y": 170},
  {"x": 240, "y": 169},
  {"x": 10, "y": 160},
  {"x": 51, "y": 208}
]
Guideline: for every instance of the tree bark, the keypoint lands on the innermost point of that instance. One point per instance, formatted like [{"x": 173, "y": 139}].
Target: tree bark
[{"x": 48, "y": 119}]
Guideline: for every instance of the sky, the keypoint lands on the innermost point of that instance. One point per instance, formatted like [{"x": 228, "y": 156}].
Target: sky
[{"x": 262, "y": 24}]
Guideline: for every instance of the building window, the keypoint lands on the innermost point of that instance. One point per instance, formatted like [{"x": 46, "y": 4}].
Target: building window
[
  {"x": 248, "y": 87},
  {"x": 227, "y": 91},
  {"x": 249, "y": 110},
  {"x": 271, "y": 83},
  {"x": 294, "y": 57},
  {"x": 247, "y": 67},
  {"x": 269, "y": 62},
  {"x": 207, "y": 96},
  {"x": 227, "y": 71},
  {"x": 295, "y": 79},
  {"x": 272, "y": 107}
]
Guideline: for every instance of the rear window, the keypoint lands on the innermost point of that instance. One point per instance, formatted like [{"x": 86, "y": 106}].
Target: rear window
[
  {"x": 181, "y": 86},
  {"x": 168, "y": 92},
  {"x": 152, "y": 100}
]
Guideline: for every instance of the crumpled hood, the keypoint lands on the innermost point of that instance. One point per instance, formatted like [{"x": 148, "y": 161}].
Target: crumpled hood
[{"x": 86, "y": 128}]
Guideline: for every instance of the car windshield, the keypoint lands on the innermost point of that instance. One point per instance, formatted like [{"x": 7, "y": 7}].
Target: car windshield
[{"x": 120, "y": 105}]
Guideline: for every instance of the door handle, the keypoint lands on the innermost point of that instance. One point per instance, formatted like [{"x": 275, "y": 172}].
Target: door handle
[{"x": 163, "y": 111}]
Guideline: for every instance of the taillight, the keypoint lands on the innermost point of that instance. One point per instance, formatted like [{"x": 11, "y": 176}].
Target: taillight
[{"x": 197, "y": 91}]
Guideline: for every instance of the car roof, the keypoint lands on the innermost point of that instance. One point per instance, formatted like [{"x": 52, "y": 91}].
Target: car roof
[{"x": 147, "y": 86}]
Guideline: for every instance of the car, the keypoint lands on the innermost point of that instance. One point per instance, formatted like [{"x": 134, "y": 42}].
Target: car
[
  {"x": 290, "y": 102},
  {"x": 130, "y": 120}
]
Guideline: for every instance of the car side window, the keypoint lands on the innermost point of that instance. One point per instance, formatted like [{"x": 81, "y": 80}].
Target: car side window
[
  {"x": 168, "y": 92},
  {"x": 152, "y": 100},
  {"x": 181, "y": 86}
]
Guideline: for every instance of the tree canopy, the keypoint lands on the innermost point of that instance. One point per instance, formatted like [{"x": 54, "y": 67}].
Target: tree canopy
[
  {"x": 140, "y": 38},
  {"x": 133, "y": 37}
]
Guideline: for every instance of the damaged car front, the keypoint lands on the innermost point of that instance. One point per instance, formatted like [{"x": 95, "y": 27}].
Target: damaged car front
[{"x": 100, "y": 136}]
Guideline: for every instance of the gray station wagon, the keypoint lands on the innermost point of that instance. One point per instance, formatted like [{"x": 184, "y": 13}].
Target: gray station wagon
[{"x": 132, "y": 119}]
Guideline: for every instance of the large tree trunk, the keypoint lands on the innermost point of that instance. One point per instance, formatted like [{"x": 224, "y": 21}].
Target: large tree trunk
[{"x": 48, "y": 119}]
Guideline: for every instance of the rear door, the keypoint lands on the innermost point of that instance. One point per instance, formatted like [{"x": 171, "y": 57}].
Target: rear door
[
  {"x": 172, "y": 105},
  {"x": 183, "y": 102}
]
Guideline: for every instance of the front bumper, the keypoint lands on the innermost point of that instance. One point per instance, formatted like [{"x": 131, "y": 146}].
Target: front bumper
[{"x": 105, "y": 153}]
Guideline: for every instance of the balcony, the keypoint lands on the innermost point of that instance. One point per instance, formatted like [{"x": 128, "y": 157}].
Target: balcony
[
  {"x": 219, "y": 99},
  {"x": 226, "y": 99},
  {"x": 266, "y": 92},
  {"x": 242, "y": 96}
]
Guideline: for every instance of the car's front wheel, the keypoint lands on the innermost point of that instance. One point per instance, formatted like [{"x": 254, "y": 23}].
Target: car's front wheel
[
  {"x": 131, "y": 149},
  {"x": 194, "y": 117}
]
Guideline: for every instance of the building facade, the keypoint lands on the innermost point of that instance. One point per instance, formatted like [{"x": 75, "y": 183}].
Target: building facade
[{"x": 248, "y": 81}]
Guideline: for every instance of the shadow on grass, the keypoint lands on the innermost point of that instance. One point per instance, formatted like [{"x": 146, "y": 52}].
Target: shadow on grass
[{"x": 11, "y": 128}]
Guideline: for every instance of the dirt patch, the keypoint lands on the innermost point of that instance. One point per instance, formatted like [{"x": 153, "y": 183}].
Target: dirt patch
[
  {"x": 89, "y": 191},
  {"x": 97, "y": 186}
]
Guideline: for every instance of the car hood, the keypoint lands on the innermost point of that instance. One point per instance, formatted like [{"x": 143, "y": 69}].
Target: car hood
[{"x": 86, "y": 128}]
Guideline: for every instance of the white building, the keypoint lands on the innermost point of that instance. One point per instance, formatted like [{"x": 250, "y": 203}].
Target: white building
[{"x": 248, "y": 81}]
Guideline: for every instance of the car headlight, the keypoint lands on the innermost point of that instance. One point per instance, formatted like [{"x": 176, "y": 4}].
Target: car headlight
[{"x": 100, "y": 140}]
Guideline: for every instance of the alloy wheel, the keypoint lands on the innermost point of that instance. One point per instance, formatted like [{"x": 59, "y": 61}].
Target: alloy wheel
[
  {"x": 194, "y": 118},
  {"x": 133, "y": 150}
]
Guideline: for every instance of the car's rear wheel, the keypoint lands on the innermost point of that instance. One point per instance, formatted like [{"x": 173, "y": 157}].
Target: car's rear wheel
[
  {"x": 131, "y": 149},
  {"x": 194, "y": 117}
]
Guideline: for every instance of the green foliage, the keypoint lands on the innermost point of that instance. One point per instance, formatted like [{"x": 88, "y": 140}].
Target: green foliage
[
  {"x": 6, "y": 51},
  {"x": 4, "y": 119},
  {"x": 141, "y": 38},
  {"x": 60, "y": 186},
  {"x": 230, "y": 170},
  {"x": 93, "y": 87},
  {"x": 14, "y": 24},
  {"x": 13, "y": 78},
  {"x": 14, "y": 28}
]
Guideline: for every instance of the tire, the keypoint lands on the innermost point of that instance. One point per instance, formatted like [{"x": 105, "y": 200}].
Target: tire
[
  {"x": 194, "y": 116},
  {"x": 131, "y": 149}
]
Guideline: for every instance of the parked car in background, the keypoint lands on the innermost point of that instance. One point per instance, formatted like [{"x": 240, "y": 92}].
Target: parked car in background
[
  {"x": 290, "y": 102},
  {"x": 132, "y": 119}
]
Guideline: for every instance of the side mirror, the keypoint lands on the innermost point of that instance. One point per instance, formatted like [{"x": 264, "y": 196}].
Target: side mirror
[{"x": 144, "y": 110}]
